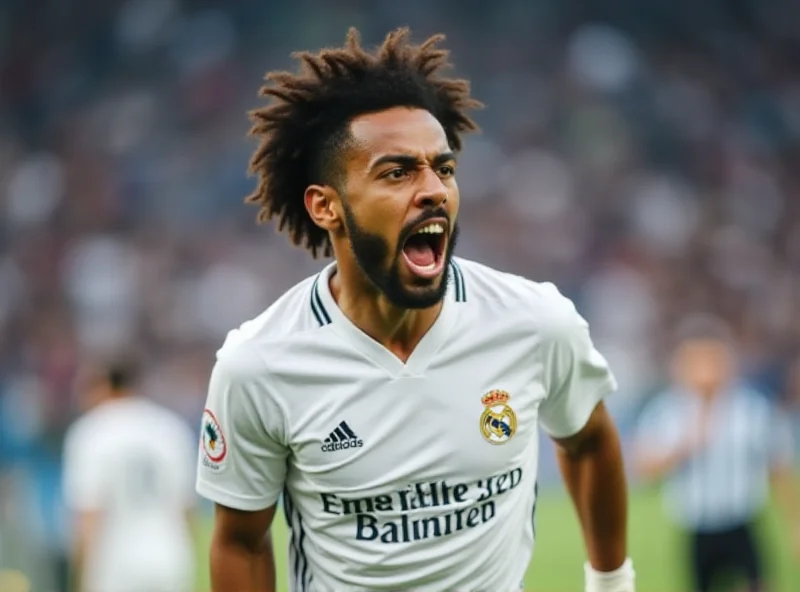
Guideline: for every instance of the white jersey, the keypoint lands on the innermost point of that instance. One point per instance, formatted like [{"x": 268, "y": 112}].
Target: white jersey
[
  {"x": 401, "y": 476},
  {"x": 130, "y": 461}
]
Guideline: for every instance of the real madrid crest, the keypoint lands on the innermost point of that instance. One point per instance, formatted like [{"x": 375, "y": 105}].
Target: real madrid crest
[{"x": 498, "y": 421}]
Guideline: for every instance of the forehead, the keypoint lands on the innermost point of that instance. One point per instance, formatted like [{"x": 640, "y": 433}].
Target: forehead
[{"x": 400, "y": 130}]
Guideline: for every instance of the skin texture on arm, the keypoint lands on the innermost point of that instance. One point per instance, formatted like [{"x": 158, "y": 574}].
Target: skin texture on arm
[
  {"x": 593, "y": 471},
  {"x": 241, "y": 554}
]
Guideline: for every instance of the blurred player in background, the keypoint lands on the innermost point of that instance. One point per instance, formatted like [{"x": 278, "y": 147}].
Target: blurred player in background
[
  {"x": 719, "y": 445},
  {"x": 395, "y": 398},
  {"x": 129, "y": 484}
]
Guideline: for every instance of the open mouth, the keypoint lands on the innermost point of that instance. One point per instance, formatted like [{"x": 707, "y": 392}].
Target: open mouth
[{"x": 424, "y": 249}]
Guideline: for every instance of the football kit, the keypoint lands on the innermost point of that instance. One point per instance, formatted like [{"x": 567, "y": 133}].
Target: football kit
[{"x": 417, "y": 475}]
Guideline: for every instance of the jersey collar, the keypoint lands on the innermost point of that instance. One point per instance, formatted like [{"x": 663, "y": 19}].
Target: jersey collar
[{"x": 325, "y": 308}]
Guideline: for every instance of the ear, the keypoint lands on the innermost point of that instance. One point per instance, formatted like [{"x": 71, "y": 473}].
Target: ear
[{"x": 321, "y": 203}]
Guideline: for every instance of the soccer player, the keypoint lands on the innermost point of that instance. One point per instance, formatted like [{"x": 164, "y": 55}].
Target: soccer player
[
  {"x": 720, "y": 446},
  {"x": 394, "y": 399},
  {"x": 130, "y": 488}
]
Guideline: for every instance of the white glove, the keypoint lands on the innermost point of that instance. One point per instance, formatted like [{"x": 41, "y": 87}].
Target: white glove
[{"x": 619, "y": 580}]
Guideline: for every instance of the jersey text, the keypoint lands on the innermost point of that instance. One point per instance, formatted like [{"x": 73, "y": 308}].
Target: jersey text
[{"x": 467, "y": 506}]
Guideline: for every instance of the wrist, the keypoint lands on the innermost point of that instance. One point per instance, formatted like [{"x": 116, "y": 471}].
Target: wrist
[{"x": 621, "y": 579}]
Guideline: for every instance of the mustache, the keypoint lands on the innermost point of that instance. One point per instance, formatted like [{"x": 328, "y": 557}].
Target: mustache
[{"x": 408, "y": 229}]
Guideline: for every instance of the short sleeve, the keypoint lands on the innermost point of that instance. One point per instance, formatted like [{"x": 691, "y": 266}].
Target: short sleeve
[
  {"x": 577, "y": 375},
  {"x": 242, "y": 456},
  {"x": 82, "y": 471}
]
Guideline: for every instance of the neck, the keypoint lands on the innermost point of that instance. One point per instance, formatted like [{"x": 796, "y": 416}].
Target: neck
[
  {"x": 708, "y": 393},
  {"x": 398, "y": 329},
  {"x": 108, "y": 396},
  {"x": 119, "y": 395}
]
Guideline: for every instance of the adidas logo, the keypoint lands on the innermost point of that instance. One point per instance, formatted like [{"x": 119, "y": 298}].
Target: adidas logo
[{"x": 341, "y": 438}]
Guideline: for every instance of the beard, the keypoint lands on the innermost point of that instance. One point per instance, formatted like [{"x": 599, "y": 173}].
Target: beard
[{"x": 372, "y": 252}]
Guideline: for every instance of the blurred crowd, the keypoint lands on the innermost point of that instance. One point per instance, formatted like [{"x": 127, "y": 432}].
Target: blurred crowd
[{"x": 645, "y": 161}]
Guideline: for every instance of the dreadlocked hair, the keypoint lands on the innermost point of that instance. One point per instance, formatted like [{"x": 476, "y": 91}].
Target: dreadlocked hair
[{"x": 305, "y": 125}]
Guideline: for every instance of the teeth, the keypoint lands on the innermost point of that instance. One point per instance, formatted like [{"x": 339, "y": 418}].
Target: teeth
[
  {"x": 434, "y": 228},
  {"x": 430, "y": 267}
]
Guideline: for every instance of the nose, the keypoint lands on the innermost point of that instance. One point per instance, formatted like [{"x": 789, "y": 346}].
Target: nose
[{"x": 432, "y": 191}]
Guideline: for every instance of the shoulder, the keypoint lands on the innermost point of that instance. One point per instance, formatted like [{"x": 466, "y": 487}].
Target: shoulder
[
  {"x": 292, "y": 313},
  {"x": 755, "y": 403},
  {"x": 89, "y": 437},
  {"x": 80, "y": 430},
  {"x": 292, "y": 317},
  {"x": 539, "y": 302},
  {"x": 247, "y": 370},
  {"x": 751, "y": 395}
]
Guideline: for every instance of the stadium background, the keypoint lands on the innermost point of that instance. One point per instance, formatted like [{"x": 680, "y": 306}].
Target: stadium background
[{"x": 642, "y": 156}]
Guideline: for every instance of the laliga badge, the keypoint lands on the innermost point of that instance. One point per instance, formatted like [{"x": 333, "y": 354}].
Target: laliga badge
[{"x": 213, "y": 442}]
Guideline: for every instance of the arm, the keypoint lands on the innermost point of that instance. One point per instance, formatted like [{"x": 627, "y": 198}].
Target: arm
[
  {"x": 577, "y": 379},
  {"x": 242, "y": 469},
  {"x": 241, "y": 551},
  {"x": 593, "y": 471}
]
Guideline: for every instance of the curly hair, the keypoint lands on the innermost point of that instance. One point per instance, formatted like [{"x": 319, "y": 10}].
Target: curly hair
[{"x": 305, "y": 127}]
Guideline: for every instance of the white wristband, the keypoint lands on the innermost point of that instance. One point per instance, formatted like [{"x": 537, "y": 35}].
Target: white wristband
[{"x": 619, "y": 580}]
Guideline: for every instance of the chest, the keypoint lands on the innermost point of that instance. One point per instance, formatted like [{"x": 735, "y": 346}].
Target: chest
[{"x": 471, "y": 416}]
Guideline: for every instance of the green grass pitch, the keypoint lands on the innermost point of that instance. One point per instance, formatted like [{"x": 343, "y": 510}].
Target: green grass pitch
[{"x": 557, "y": 564}]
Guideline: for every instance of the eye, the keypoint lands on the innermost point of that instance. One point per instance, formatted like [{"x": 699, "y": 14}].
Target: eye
[
  {"x": 447, "y": 170},
  {"x": 396, "y": 174}
]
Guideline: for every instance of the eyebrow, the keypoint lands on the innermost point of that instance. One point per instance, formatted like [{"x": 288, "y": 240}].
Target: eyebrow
[{"x": 409, "y": 161}]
